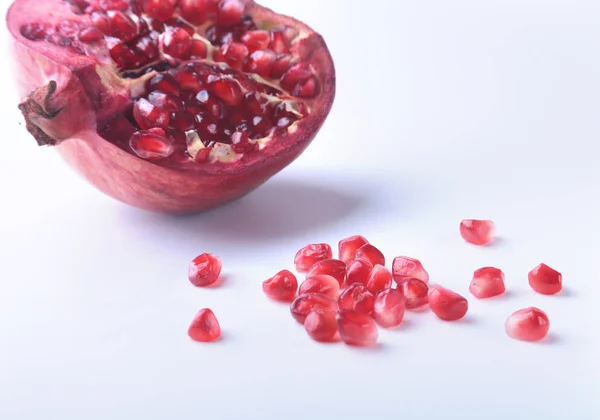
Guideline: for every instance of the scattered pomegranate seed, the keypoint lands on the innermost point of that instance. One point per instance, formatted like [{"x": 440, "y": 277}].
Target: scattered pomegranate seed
[
  {"x": 204, "y": 270},
  {"x": 304, "y": 304},
  {"x": 321, "y": 325},
  {"x": 205, "y": 327},
  {"x": 446, "y": 304},
  {"x": 151, "y": 144},
  {"x": 389, "y": 309},
  {"x": 379, "y": 279},
  {"x": 477, "y": 232},
  {"x": 487, "y": 282},
  {"x": 159, "y": 9},
  {"x": 281, "y": 287},
  {"x": 357, "y": 298},
  {"x": 545, "y": 280},
  {"x": 529, "y": 324},
  {"x": 404, "y": 268},
  {"x": 256, "y": 40},
  {"x": 415, "y": 292},
  {"x": 177, "y": 43},
  {"x": 149, "y": 116},
  {"x": 323, "y": 284},
  {"x": 310, "y": 255},
  {"x": 357, "y": 329},
  {"x": 230, "y": 12},
  {"x": 358, "y": 271},
  {"x": 194, "y": 11},
  {"x": 370, "y": 253},
  {"x": 347, "y": 248},
  {"x": 331, "y": 267}
]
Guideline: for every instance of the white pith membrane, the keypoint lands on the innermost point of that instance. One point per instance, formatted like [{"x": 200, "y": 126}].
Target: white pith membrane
[{"x": 219, "y": 152}]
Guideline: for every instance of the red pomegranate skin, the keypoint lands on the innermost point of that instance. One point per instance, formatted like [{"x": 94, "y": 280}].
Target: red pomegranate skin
[{"x": 121, "y": 175}]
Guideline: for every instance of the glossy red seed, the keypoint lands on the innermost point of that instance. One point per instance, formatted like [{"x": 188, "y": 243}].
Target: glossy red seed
[
  {"x": 228, "y": 90},
  {"x": 389, "y": 309},
  {"x": 166, "y": 83},
  {"x": 323, "y": 284},
  {"x": 58, "y": 39},
  {"x": 34, "y": 31},
  {"x": 241, "y": 143},
  {"x": 446, "y": 304},
  {"x": 159, "y": 9},
  {"x": 149, "y": 116},
  {"x": 297, "y": 74},
  {"x": 487, "y": 282},
  {"x": 89, "y": 35},
  {"x": 260, "y": 62},
  {"x": 357, "y": 329},
  {"x": 415, "y": 292},
  {"x": 304, "y": 304},
  {"x": 331, "y": 267},
  {"x": 279, "y": 42},
  {"x": 477, "y": 232},
  {"x": 357, "y": 298},
  {"x": 358, "y": 271},
  {"x": 256, "y": 40},
  {"x": 281, "y": 65},
  {"x": 122, "y": 26},
  {"x": 230, "y": 12},
  {"x": 404, "y": 268},
  {"x": 177, "y": 43},
  {"x": 234, "y": 54},
  {"x": 528, "y": 324},
  {"x": 281, "y": 287},
  {"x": 370, "y": 253},
  {"x": 193, "y": 11},
  {"x": 379, "y": 279},
  {"x": 101, "y": 22},
  {"x": 188, "y": 81},
  {"x": 204, "y": 270},
  {"x": 348, "y": 247},
  {"x": 205, "y": 327},
  {"x": 321, "y": 325},
  {"x": 310, "y": 255},
  {"x": 151, "y": 144},
  {"x": 545, "y": 280},
  {"x": 198, "y": 49},
  {"x": 166, "y": 102},
  {"x": 182, "y": 121}
]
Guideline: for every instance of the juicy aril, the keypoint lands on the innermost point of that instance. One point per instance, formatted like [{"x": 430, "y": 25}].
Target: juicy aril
[{"x": 173, "y": 106}]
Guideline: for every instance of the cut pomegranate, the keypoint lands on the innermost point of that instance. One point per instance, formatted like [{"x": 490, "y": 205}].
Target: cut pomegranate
[
  {"x": 487, "y": 282},
  {"x": 545, "y": 280},
  {"x": 415, "y": 292},
  {"x": 379, "y": 279},
  {"x": 404, "y": 268},
  {"x": 205, "y": 327},
  {"x": 357, "y": 329},
  {"x": 529, "y": 324},
  {"x": 331, "y": 267},
  {"x": 204, "y": 270},
  {"x": 446, "y": 304},
  {"x": 281, "y": 287},
  {"x": 321, "y": 325},
  {"x": 358, "y": 271},
  {"x": 390, "y": 306},
  {"x": 370, "y": 253},
  {"x": 310, "y": 255},
  {"x": 321, "y": 283},
  {"x": 304, "y": 304},
  {"x": 93, "y": 72},
  {"x": 347, "y": 248},
  {"x": 477, "y": 232},
  {"x": 357, "y": 298}
]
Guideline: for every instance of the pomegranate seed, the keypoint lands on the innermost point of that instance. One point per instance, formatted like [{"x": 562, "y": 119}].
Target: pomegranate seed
[
  {"x": 255, "y": 103},
  {"x": 347, "y": 248},
  {"x": 241, "y": 143},
  {"x": 446, "y": 304},
  {"x": 123, "y": 27},
  {"x": 304, "y": 304},
  {"x": 357, "y": 298},
  {"x": 477, "y": 232},
  {"x": 121, "y": 55},
  {"x": 166, "y": 83},
  {"x": 90, "y": 35},
  {"x": 165, "y": 102},
  {"x": 194, "y": 11},
  {"x": 34, "y": 31},
  {"x": 404, "y": 268},
  {"x": 415, "y": 292},
  {"x": 101, "y": 22},
  {"x": 151, "y": 144},
  {"x": 260, "y": 62},
  {"x": 159, "y": 9},
  {"x": 230, "y": 12},
  {"x": 177, "y": 43},
  {"x": 228, "y": 90},
  {"x": 205, "y": 327},
  {"x": 545, "y": 280},
  {"x": 331, "y": 267},
  {"x": 279, "y": 42},
  {"x": 358, "y": 271},
  {"x": 323, "y": 284},
  {"x": 58, "y": 39},
  {"x": 281, "y": 287},
  {"x": 321, "y": 325},
  {"x": 487, "y": 282},
  {"x": 310, "y": 255},
  {"x": 149, "y": 116},
  {"x": 204, "y": 270},
  {"x": 147, "y": 47},
  {"x": 234, "y": 54},
  {"x": 256, "y": 40},
  {"x": 198, "y": 49},
  {"x": 300, "y": 81},
  {"x": 389, "y": 308},
  {"x": 281, "y": 65},
  {"x": 357, "y": 329},
  {"x": 529, "y": 324},
  {"x": 182, "y": 121},
  {"x": 291, "y": 33},
  {"x": 188, "y": 81},
  {"x": 370, "y": 253},
  {"x": 68, "y": 28},
  {"x": 379, "y": 279}
]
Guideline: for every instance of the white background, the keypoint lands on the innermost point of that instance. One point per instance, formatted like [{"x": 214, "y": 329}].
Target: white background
[{"x": 445, "y": 110}]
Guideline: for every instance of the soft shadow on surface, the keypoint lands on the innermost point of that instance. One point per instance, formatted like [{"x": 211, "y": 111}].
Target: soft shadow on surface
[{"x": 550, "y": 339}]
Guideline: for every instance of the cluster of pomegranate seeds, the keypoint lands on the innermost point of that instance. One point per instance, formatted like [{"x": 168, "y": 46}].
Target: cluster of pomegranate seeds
[
  {"x": 477, "y": 232},
  {"x": 204, "y": 270},
  {"x": 205, "y": 327},
  {"x": 332, "y": 267}
]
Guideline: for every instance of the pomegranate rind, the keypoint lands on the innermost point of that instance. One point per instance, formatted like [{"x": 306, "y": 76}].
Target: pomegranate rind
[
  {"x": 528, "y": 324},
  {"x": 86, "y": 92}
]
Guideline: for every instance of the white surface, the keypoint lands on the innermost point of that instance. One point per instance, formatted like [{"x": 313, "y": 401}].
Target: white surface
[{"x": 446, "y": 110}]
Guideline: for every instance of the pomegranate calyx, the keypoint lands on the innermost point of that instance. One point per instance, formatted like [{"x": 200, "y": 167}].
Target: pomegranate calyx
[{"x": 38, "y": 106}]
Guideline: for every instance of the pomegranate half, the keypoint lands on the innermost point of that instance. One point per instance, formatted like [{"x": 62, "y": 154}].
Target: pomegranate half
[{"x": 173, "y": 106}]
